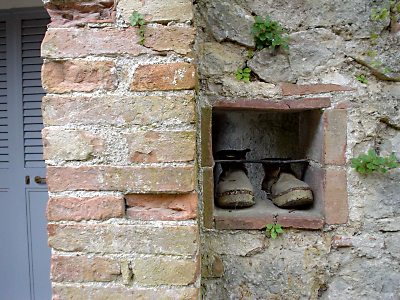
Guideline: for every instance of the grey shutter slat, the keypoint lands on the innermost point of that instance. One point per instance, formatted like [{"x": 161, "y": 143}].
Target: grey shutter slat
[
  {"x": 32, "y": 34},
  {"x": 4, "y": 134}
]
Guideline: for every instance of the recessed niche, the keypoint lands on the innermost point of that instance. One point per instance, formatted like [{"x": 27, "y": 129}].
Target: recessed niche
[{"x": 270, "y": 132}]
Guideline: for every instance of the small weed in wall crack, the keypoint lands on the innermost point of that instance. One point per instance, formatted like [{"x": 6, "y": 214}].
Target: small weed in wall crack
[
  {"x": 268, "y": 33},
  {"x": 243, "y": 74},
  {"x": 137, "y": 20},
  {"x": 362, "y": 78},
  {"x": 371, "y": 162},
  {"x": 273, "y": 230}
]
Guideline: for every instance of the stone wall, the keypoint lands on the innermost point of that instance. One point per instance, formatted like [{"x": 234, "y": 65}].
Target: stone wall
[
  {"x": 120, "y": 146},
  {"x": 355, "y": 254}
]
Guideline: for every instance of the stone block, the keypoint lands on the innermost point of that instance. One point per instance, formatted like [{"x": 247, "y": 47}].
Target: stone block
[
  {"x": 74, "y": 42},
  {"x": 162, "y": 11},
  {"x": 64, "y": 76},
  {"x": 164, "y": 77},
  {"x": 162, "y": 38},
  {"x": 127, "y": 179},
  {"x": 120, "y": 292},
  {"x": 166, "y": 207},
  {"x": 83, "y": 269},
  {"x": 335, "y": 136},
  {"x": 165, "y": 271},
  {"x": 162, "y": 146},
  {"x": 135, "y": 110},
  {"x": 336, "y": 207},
  {"x": 85, "y": 208},
  {"x": 180, "y": 240},
  {"x": 69, "y": 145}
]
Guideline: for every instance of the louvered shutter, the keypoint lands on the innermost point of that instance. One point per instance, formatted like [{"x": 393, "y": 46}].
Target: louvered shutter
[
  {"x": 32, "y": 92},
  {"x": 4, "y": 141}
]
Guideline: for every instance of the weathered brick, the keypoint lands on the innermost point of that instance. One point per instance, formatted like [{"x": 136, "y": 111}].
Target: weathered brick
[
  {"x": 164, "y": 77},
  {"x": 165, "y": 270},
  {"x": 207, "y": 159},
  {"x": 128, "y": 179},
  {"x": 82, "y": 269},
  {"x": 284, "y": 104},
  {"x": 143, "y": 110},
  {"x": 162, "y": 207},
  {"x": 77, "y": 13},
  {"x": 112, "y": 238},
  {"x": 169, "y": 38},
  {"x": 336, "y": 207},
  {"x": 78, "y": 76},
  {"x": 120, "y": 292},
  {"x": 74, "y": 42},
  {"x": 68, "y": 145},
  {"x": 335, "y": 136},
  {"x": 289, "y": 89},
  {"x": 162, "y": 146},
  {"x": 85, "y": 208},
  {"x": 157, "y": 10},
  {"x": 208, "y": 197}
]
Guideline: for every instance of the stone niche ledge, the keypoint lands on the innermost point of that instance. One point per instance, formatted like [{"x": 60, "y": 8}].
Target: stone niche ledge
[{"x": 299, "y": 128}]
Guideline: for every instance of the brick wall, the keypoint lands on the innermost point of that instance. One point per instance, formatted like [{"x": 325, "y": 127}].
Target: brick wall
[{"x": 119, "y": 143}]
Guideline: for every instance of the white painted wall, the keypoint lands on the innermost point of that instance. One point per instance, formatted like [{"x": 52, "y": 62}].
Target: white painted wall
[{"x": 6, "y": 4}]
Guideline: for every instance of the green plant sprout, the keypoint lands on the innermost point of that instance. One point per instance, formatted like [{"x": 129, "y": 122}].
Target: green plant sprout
[
  {"x": 137, "y": 20},
  {"x": 371, "y": 162},
  {"x": 361, "y": 78},
  {"x": 268, "y": 33},
  {"x": 273, "y": 230},
  {"x": 243, "y": 74}
]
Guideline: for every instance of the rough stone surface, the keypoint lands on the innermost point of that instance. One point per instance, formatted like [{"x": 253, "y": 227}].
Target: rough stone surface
[
  {"x": 146, "y": 110},
  {"x": 85, "y": 208},
  {"x": 162, "y": 206},
  {"x": 109, "y": 238},
  {"x": 224, "y": 26},
  {"x": 120, "y": 292},
  {"x": 357, "y": 256},
  {"x": 80, "y": 146},
  {"x": 161, "y": 11},
  {"x": 78, "y": 76},
  {"x": 128, "y": 179},
  {"x": 162, "y": 146},
  {"x": 164, "y": 77}
]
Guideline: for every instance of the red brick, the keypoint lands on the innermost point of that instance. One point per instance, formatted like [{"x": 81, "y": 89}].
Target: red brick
[
  {"x": 120, "y": 292},
  {"x": 162, "y": 146},
  {"x": 208, "y": 197},
  {"x": 162, "y": 206},
  {"x": 170, "y": 38},
  {"x": 336, "y": 207},
  {"x": 335, "y": 136},
  {"x": 138, "y": 110},
  {"x": 127, "y": 179},
  {"x": 74, "y": 42},
  {"x": 78, "y": 76},
  {"x": 289, "y": 89},
  {"x": 85, "y": 208},
  {"x": 284, "y": 104},
  {"x": 83, "y": 269},
  {"x": 163, "y": 77},
  {"x": 207, "y": 159},
  {"x": 179, "y": 240}
]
